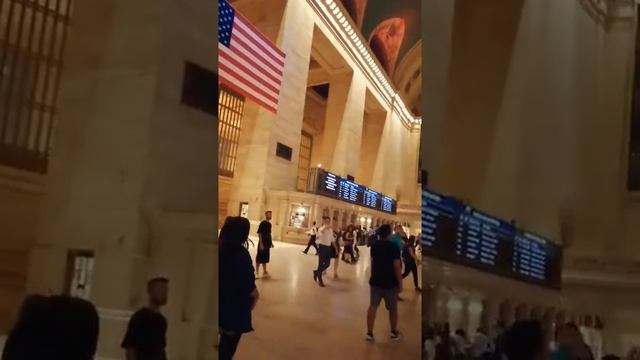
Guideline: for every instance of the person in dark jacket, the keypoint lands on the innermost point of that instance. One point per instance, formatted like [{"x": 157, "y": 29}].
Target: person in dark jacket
[
  {"x": 55, "y": 327},
  {"x": 525, "y": 341},
  {"x": 237, "y": 289}
]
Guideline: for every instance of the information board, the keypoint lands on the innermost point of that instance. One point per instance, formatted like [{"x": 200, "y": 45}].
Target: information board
[
  {"x": 458, "y": 233},
  {"x": 332, "y": 185}
]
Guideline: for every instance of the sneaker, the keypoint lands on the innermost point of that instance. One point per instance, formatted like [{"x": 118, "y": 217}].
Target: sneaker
[
  {"x": 369, "y": 336},
  {"x": 315, "y": 275},
  {"x": 395, "y": 335},
  {"x": 320, "y": 282}
]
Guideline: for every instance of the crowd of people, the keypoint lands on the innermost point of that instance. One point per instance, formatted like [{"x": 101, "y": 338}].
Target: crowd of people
[
  {"x": 239, "y": 294},
  {"x": 523, "y": 340},
  {"x": 332, "y": 243}
]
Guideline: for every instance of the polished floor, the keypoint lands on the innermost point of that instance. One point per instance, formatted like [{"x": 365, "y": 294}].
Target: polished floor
[{"x": 296, "y": 318}]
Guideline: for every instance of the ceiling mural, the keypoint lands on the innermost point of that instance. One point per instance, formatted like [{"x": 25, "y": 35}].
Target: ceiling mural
[{"x": 391, "y": 27}]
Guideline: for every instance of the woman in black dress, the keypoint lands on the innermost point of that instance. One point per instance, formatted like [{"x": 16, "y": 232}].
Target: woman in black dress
[
  {"x": 410, "y": 261},
  {"x": 237, "y": 288},
  {"x": 348, "y": 245}
]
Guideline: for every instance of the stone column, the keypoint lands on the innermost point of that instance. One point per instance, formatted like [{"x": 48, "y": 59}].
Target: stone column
[
  {"x": 258, "y": 168},
  {"x": 340, "y": 144},
  {"x": 370, "y": 147},
  {"x": 507, "y": 312},
  {"x": 490, "y": 313}
]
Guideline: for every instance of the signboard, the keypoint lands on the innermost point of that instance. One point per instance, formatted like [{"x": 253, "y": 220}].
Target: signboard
[
  {"x": 458, "y": 233},
  {"x": 334, "y": 186}
]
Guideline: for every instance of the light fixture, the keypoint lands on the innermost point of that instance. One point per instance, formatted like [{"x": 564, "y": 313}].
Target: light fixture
[{"x": 319, "y": 165}]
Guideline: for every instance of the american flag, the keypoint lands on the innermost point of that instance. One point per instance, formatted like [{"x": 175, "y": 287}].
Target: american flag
[{"x": 248, "y": 62}]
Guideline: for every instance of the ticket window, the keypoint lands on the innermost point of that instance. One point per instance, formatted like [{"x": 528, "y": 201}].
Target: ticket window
[{"x": 79, "y": 272}]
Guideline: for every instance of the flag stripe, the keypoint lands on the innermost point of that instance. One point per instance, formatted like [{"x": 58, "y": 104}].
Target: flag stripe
[
  {"x": 277, "y": 53},
  {"x": 240, "y": 38},
  {"x": 248, "y": 61},
  {"x": 269, "y": 82},
  {"x": 243, "y": 50},
  {"x": 242, "y": 90},
  {"x": 241, "y": 76}
]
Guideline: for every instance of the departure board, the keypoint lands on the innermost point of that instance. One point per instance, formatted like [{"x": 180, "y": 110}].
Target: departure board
[
  {"x": 458, "y": 233},
  {"x": 536, "y": 258},
  {"x": 328, "y": 184},
  {"x": 371, "y": 198},
  {"x": 439, "y": 224},
  {"x": 484, "y": 239},
  {"x": 332, "y": 185},
  {"x": 387, "y": 204},
  {"x": 350, "y": 191}
]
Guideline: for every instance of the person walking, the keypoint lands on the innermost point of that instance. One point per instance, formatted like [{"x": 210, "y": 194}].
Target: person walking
[
  {"x": 237, "y": 288},
  {"x": 525, "y": 341},
  {"x": 385, "y": 281},
  {"x": 146, "y": 336},
  {"x": 429, "y": 344},
  {"x": 265, "y": 244},
  {"x": 325, "y": 241},
  {"x": 461, "y": 345},
  {"x": 411, "y": 262},
  {"x": 313, "y": 234},
  {"x": 336, "y": 250},
  {"x": 349, "y": 242},
  {"x": 482, "y": 348},
  {"x": 570, "y": 344},
  {"x": 398, "y": 239},
  {"x": 358, "y": 235}
]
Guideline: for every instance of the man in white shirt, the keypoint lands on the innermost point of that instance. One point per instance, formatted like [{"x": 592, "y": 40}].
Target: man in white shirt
[
  {"x": 325, "y": 241},
  {"x": 313, "y": 234},
  {"x": 482, "y": 347}
]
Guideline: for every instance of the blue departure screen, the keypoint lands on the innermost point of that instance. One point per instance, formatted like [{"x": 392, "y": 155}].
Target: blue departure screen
[{"x": 461, "y": 234}]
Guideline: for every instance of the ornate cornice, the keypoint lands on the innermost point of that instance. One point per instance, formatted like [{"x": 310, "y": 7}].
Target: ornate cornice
[{"x": 347, "y": 34}]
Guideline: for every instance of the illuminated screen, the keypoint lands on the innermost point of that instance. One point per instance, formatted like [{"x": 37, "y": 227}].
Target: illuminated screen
[
  {"x": 332, "y": 185},
  {"x": 458, "y": 233}
]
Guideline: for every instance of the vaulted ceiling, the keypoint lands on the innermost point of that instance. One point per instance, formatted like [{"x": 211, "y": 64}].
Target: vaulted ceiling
[{"x": 394, "y": 35}]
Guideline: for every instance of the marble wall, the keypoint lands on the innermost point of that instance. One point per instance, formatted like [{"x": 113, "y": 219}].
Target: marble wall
[{"x": 130, "y": 178}]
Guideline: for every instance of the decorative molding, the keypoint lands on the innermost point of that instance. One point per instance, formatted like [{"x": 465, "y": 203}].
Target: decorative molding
[{"x": 346, "y": 33}]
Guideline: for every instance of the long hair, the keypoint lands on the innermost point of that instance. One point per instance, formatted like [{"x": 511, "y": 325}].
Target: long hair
[{"x": 234, "y": 234}]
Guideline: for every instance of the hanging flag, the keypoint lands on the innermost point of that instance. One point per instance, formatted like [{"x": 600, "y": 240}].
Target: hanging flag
[{"x": 248, "y": 62}]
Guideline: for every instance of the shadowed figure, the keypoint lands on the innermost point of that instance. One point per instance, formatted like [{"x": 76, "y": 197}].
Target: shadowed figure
[{"x": 56, "y": 327}]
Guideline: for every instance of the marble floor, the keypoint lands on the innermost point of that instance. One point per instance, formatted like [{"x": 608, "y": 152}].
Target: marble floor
[{"x": 295, "y": 317}]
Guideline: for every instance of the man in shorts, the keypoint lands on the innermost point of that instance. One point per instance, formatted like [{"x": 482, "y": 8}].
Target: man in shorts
[
  {"x": 265, "y": 243},
  {"x": 385, "y": 281}
]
